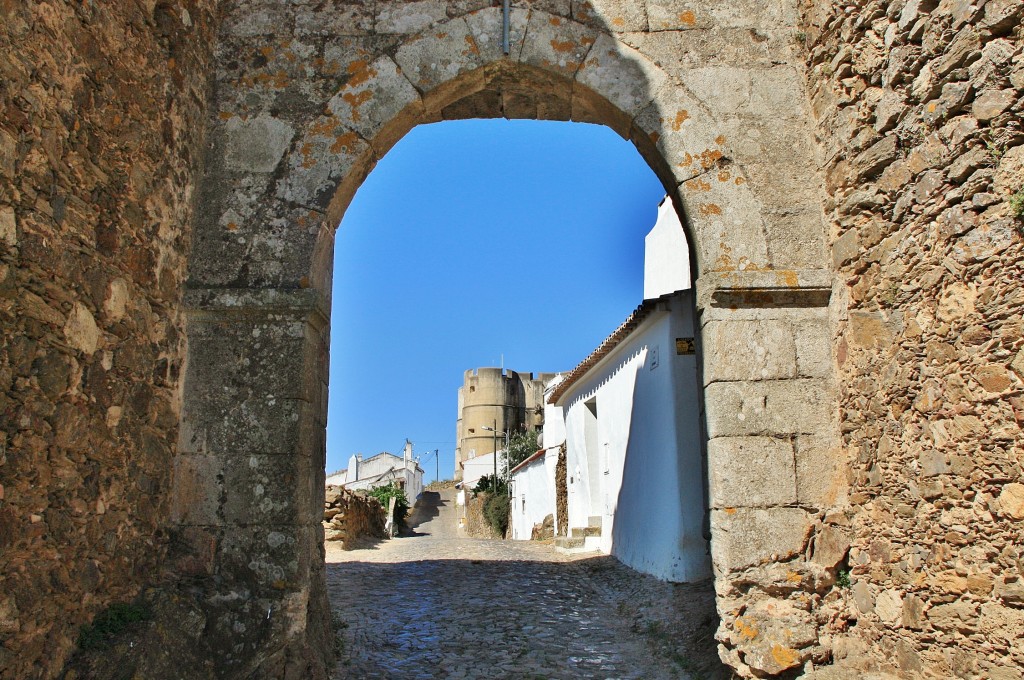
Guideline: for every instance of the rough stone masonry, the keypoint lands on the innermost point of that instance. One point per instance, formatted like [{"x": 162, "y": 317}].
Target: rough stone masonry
[{"x": 850, "y": 176}]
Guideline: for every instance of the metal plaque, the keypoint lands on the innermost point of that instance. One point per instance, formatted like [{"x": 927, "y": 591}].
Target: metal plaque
[{"x": 685, "y": 346}]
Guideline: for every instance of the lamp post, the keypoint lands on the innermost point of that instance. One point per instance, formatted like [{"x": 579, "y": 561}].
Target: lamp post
[{"x": 494, "y": 448}]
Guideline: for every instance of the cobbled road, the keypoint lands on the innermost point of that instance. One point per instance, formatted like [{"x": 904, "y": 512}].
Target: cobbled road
[{"x": 434, "y": 605}]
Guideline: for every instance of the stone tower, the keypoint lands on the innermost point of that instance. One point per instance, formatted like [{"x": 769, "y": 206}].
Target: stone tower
[{"x": 515, "y": 401}]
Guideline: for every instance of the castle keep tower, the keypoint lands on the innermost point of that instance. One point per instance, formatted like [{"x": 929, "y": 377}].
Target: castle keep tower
[{"x": 515, "y": 401}]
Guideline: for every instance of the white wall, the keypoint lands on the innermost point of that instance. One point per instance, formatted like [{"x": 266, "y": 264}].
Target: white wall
[
  {"x": 554, "y": 418},
  {"x": 366, "y": 474},
  {"x": 647, "y": 462},
  {"x": 666, "y": 256},
  {"x": 533, "y": 494},
  {"x": 475, "y": 468}
]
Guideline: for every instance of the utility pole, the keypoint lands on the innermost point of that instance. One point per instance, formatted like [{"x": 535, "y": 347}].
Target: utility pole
[
  {"x": 437, "y": 467},
  {"x": 494, "y": 446}
]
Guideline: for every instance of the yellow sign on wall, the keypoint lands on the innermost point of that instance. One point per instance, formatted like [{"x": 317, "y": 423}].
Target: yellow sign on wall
[{"x": 685, "y": 346}]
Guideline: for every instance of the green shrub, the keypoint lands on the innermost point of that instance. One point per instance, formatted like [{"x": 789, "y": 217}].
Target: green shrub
[
  {"x": 384, "y": 495},
  {"x": 110, "y": 623},
  {"x": 521, "y": 446},
  {"x": 496, "y": 509},
  {"x": 1017, "y": 204},
  {"x": 491, "y": 484},
  {"x": 843, "y": 578}
]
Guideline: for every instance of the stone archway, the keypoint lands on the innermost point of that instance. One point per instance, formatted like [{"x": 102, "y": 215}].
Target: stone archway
[{"x": 307, "y": 98}]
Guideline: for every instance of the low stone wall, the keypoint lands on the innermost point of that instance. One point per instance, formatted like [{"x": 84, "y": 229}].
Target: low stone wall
[
  {"x": 476, "y": 524},
  {"x": 350, "y": 516},
  {"x": 440, "y": 485}
]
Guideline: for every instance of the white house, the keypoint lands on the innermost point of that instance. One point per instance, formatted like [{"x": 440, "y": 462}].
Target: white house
[
  {"x": 478, "y": 466},
  {"x": 533, "y": 485},
  {"x": 632, "y": 429},
  {"x": 383, "y": 469},
  {"x": 665, "y": 248},
  {"x": 640, "y": 479},
  {"x": 336, "y": 478}
]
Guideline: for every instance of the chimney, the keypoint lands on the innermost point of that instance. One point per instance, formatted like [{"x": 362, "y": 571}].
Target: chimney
[{"x": 408, "y": 452}]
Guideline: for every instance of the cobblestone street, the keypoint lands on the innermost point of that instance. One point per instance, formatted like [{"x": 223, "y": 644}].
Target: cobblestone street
[{"x": 434, "y": 605}]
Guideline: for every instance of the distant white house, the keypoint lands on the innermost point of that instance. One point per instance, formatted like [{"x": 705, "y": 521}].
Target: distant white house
[
  {"x": 533, "y": 484},
  {"x": 476, "y": 467},
  {"x": 631, "y": 428},
  {"x": 383, "y": 469}
]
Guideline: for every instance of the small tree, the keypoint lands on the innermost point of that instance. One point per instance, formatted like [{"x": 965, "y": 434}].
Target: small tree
[
  {"x": 496, "y": 509},
  {"x": 491, "y": 484},
  {"x": 521, "y": 445},
  {"x": 384, "y": 495}
]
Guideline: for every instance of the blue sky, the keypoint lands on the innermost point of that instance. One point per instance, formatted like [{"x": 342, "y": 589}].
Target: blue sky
[{"x": 472, "y": 241}]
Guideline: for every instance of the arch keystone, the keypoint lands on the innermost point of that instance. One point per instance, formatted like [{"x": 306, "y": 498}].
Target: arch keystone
[{"x": 486, "y": 26}]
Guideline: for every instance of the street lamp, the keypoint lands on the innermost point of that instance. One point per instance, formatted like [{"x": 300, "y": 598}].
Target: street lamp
[{"x": 494, "y": 448}]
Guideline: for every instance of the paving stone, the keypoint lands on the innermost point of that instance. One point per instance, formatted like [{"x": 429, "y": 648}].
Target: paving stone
[{"x": 433, "y": 604}]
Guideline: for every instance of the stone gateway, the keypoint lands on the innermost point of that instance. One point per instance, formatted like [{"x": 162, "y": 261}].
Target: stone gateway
[{"x": 851, "y": 179}]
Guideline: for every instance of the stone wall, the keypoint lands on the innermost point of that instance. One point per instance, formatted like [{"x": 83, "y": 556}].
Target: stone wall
[
  {"x": 918, "y": 106},
  {"x": 101, "y": 120},
  {"x": 350, "y": 517},
  {"x": 476, "y": 524}
]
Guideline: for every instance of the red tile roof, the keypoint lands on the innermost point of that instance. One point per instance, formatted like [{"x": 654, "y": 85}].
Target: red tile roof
[
  {"x": 533, "y": 457},
  {"x": 646, "y": 308}
]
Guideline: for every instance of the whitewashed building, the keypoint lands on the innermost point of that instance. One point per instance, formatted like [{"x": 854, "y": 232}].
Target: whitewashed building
[
  {"x": 478, "y": 466},
  {"x": 383, "y": 469},
  {"x": 533, "y": 483},
  {"x": 640, "y": 479},
  {"x": 632, "y": 428}
]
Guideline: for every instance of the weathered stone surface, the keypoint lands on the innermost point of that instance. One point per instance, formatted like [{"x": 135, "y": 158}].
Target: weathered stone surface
[
  {"x": 486, "y": 27},
  {"x": 749, "y": 350},
  {"x": 830, "y": 547},
  {"x": 433, "y": 58},
  {"x": 1011, "y": 501},
  {"x": 623, "y": 76},
  {"x": 991, "y": 103},
  {"x": 781, "y": 634},
  {"x": 719, "y": 204},
  {"x": 408, "y": 17},
  {"x": 683, "y": 132},
  {"x": 611, "y": 15},
  {"x": 767, "y": 407},
  {"x": 556, "y": 44},
  {"x": 374, "y": 96},
  {"x": 8, "y": 226},
  {"x": 922, "y": 359},
  {"x": 751, "y": 472},
  {"x": 256, "y": 145},
  {"x": 81, "y": 330},
  {"x": 749, "y": 536},
  {"x": 350, "y": 518},
  {"x": 104, "y": 109}
]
